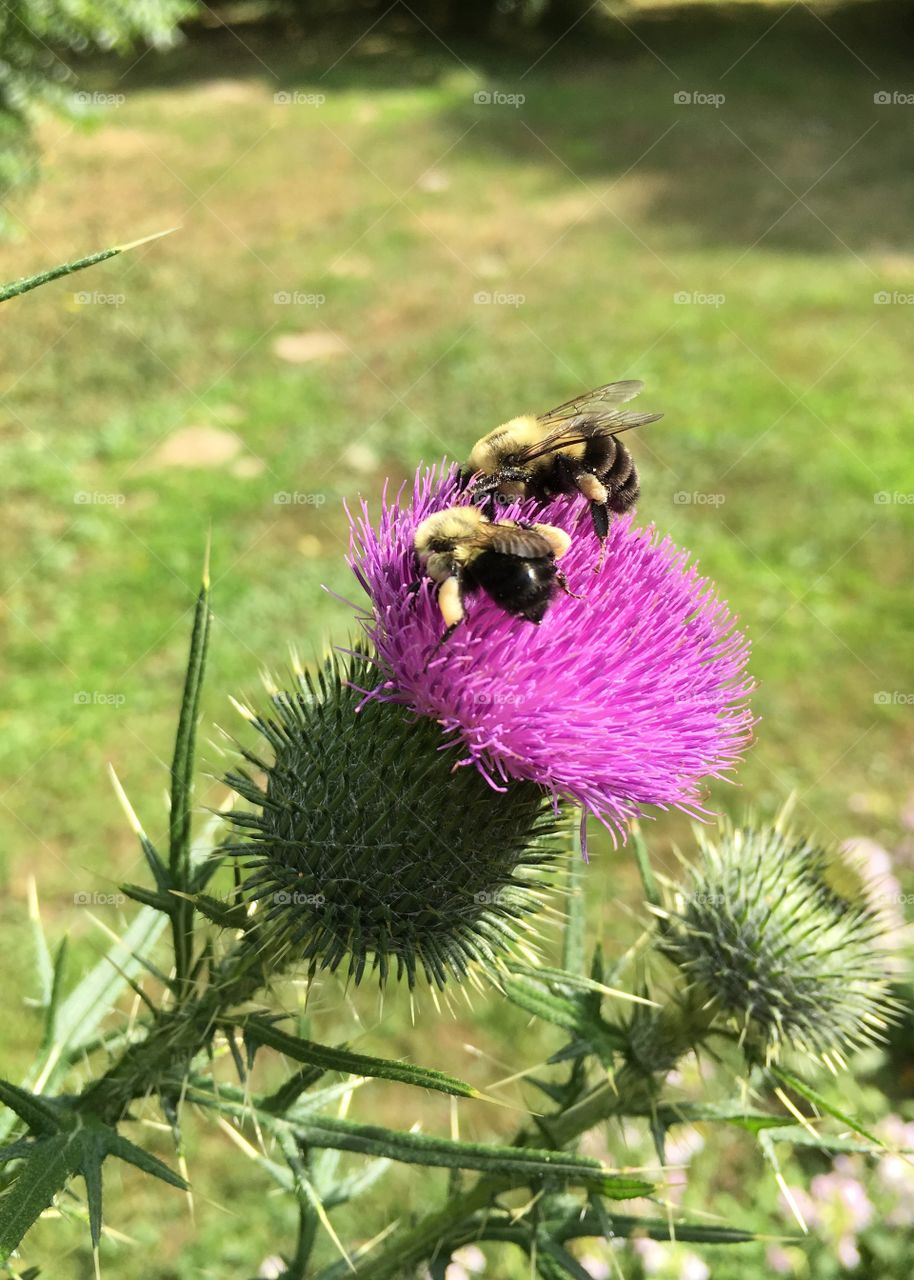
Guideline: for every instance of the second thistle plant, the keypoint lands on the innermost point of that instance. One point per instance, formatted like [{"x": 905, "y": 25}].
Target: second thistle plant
[{"x": 763, "y": 936}]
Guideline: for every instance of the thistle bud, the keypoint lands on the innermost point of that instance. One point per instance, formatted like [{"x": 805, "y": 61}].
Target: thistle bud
[
  {"x": 766, "y": 935},
  {"x": 366, "y": 844}
]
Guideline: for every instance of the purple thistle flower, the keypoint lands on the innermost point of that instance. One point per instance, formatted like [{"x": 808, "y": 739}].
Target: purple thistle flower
[{"x": 623, "y": 698}]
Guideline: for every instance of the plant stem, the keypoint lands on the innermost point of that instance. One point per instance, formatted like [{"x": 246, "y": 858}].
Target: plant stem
[
  {"x": 160, "y": 1061},
  {"x": 672, "y": 1032}
]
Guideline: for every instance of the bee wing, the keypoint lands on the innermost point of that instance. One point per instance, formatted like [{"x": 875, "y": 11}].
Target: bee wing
[
  {"x": 510, "y": 539},
  {"x": 570, "y": 431},
  {"x": 609, "y": 394}
]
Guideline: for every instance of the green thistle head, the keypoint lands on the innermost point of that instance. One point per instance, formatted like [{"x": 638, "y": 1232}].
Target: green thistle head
[
  {"x": 365, "y": 844},
  {"x": 764, "y": 936}
]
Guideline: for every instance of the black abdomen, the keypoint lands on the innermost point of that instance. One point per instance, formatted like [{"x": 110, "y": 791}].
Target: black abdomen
[{"x": 521, "y": 586}]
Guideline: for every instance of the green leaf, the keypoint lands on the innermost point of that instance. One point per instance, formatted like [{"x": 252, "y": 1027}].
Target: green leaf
[
  {"x": 735, "y": 1113},
  {"x": 818, "y": 1100},
  {"x": 43, "y": 965},
  {"x": 573, "y": 950},
  {"x": 150, "y": 898},
  {"x": 566, "y": 1265},
  {"x": 357, "y": 1064},
  {"x": 160, "y": 872},
  {"x": 573, "y": 1014},
  {"x": 800, "y": 1137},
  {"x": 624, "y": 1225},
  {"x": 90, "y": 1002},
  {"x": 227, "y": 915},
  {"x": 649, "y": 884},
  {"x": 116, "y": 1145},
  {"x": 561, "y": 978},
  {"x": 54, "y": 1159},
  {"x": 182, "y": 781},
  {"x": 26, "y": 283},
  {"x": 520, "y": 1163},
  {"x": 92, "y": 1153},
  {"x": 356, "y": 1184},
  {"x": 41, "y": 1116},
  {"x": 56, "y": 994},
  {"x": 42, "y": 1176}
]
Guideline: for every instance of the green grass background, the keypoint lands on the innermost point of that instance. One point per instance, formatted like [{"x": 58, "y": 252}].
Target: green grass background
[{"x": 399, "y": 199}]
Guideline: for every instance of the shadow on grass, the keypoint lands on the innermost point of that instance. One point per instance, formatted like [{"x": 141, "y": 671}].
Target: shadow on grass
[{"x": 746, "y": 124}]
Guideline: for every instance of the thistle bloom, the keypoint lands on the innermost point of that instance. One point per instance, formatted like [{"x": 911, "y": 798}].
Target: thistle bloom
[{"x": 626, "y": 697}]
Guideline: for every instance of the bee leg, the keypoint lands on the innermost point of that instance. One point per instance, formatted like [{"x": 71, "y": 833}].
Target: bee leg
[
  {"x": 599, "y": 514},
  {"x": 414, "y": 587},
  {"x": 595, "y": 490},
  {"x": 450, "y": 602},
  {"x": 563, "y": 583}
]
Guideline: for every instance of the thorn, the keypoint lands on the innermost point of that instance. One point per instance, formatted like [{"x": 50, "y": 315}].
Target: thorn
[
  {"x": 135, "y": 824},
  {"x": 135, "y": 244}
]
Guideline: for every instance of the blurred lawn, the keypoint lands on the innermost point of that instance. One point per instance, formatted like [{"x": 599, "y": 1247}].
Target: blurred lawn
[{"x": 597, "y": 202}]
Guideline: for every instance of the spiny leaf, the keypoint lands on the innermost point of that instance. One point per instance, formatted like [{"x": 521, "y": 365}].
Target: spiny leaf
[
  {"x": 41, "y": 1116},
  {"x": 573, "y": 951},
  {"x": 227, "y": 915},
  {"x": 648, "y": 882},
  {"x": 91, "y": 1000},
  {"x": 524, "y": 1163},
  {"x": 42, "y": 1176},
  {"x": 182, "y": 776},
  {"x": 564, "y": 1262},
  {"x": 624, "y": 1225},
  {"x": 357, "y": 1064},
  {"x": 56, "y": 995},
  {"x": 150, "y": 898},
  {"x": 573, "y": 1013},
  {"x": 55, "y": 1158},
  {"x": 800, "y": 1137},
  {"x": 92, "y": 1153},
  {"x": 121, "y": 1147},
  {"x": 735, "y": 1113},
  {"x": 43, "y": 964},
  {"x": 26, "y": 283},
  {"x": 160, "y": 872},
  {"x": 818, "y": 1100}
]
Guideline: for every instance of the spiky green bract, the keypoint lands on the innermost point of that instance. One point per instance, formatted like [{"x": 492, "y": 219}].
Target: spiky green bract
[
  {"x": 761, "y": 931},
  {"x": 367, "y": 845}
]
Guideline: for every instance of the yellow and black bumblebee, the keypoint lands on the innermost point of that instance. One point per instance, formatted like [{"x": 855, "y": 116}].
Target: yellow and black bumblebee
[
  {"x": 513, "y": 561},
  {"x": 571, "y": 449}
]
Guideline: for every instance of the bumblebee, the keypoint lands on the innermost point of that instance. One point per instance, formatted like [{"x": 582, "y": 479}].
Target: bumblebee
[
  {"x": 571, "y": 449},
  {"x": 513, "y": 561}
]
